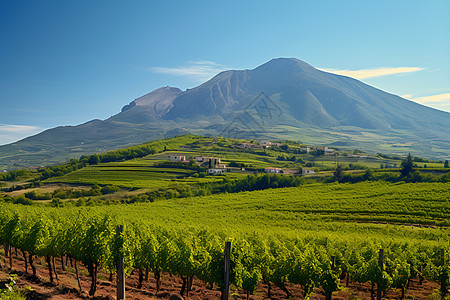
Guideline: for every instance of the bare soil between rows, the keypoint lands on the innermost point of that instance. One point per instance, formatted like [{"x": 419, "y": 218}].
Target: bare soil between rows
[{"x": 66, "y": 286}]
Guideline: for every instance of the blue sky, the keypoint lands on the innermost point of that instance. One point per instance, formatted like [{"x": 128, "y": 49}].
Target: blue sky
[{"x": 67, "y": 62}]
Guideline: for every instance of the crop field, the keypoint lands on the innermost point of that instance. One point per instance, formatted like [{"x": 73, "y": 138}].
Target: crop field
[
  {"x": 285, "y": 229},
  {"x": 418, "y": 212},
  {"x": 335, "y": 210},
  {"x": 129, "y": 177},
  {"x": 137, "y": 173},
  {"x": 126, "y": 177},
  {"x": 142, "y": 173},
  {"x": 286, "y": 235},
  {"x": 376, "y": 211}
]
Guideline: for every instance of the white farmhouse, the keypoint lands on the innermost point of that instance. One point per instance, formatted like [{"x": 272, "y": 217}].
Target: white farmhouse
[
  {"x": 306, "y": 171},
  {"x": 215, "y": 171},
  {"x": 268, "y": 144},
  {"x": 272, "y": 170},
  {"x": 177, "y": 157}
]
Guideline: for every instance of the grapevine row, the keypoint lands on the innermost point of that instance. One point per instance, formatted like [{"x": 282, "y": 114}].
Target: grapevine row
[{"x": 90, "y": 238}]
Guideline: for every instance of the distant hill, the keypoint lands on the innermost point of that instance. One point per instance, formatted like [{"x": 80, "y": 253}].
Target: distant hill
[{"x": 284, "y": 98}]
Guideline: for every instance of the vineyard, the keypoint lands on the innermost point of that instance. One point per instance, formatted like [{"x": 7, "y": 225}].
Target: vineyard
[{"x": 310, "y": 237}]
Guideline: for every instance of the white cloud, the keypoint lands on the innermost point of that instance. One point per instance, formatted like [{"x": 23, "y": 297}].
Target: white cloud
[
  {"x": 369, "y": 73},
  {"x": 196, "y": 70},
  {"x": 17, "y": 128},
  {"x": 11, "y": 133},
  {"x": 441, "y": 101},
  {"x": 433, "y": 99},
  {"x": 203, "y": 70}
]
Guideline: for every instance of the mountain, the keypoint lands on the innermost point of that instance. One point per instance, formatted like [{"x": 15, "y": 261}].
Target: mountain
[
  {"x": 310, "y": 96},
  {"x": 284, "y": 98},
  {"x": 151, "y": 106}
]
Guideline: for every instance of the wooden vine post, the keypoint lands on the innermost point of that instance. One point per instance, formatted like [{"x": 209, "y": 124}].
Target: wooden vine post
[
  {"x": 226, "y": 272},
  {"x": 380, "y": 264},
  {"x": 6, "y": 246},
  {"x": 329, "y": 292},
  {"x": 443, "y": 276},
  {"x": 120, "y": 269}
]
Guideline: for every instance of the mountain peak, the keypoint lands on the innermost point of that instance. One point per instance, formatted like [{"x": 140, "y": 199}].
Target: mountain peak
[
  {"x": 285, "y": 59},
  {"x": 283, "y": 64},
  {"x": 157, "y": 95},
  {"x": 150, "y": 106}
]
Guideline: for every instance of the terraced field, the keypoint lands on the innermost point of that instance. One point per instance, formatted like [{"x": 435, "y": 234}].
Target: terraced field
[{"x": 137, "y": 173}]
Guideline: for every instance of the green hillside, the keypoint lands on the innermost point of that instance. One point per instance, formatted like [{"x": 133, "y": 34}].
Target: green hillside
[
  {"x": 285, "y": 228},
  {"x": 146, "y": 171}
]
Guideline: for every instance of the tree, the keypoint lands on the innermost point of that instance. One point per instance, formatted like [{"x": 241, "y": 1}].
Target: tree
[
  {"x": 318, "y": 152},
  {"x": 407, "y": 166},
  {"x": 94, "y": 159},
  {"x": 446, "y": 164},
  {"x": 338, "y": 172}
]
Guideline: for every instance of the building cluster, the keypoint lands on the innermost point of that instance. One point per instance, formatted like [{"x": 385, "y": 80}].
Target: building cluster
[
  {"x": 181, "y": 158},
  {"x": 262, "y": 144},
  {"x": 278, "y": 170},
  {"x": 328, "y": 150},
  {"x": 213, "y": 165},
  {"x": 267, "y": 144},
  {"x": 273, "y": 170}
]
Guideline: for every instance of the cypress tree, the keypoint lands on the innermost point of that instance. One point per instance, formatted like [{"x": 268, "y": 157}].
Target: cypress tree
[{"x": 407, "y": 166}]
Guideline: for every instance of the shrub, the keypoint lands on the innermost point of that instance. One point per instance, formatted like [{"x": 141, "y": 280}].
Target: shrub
[
  {"x": 22, "y": 200},
  {"x": 109, "y": 189}
]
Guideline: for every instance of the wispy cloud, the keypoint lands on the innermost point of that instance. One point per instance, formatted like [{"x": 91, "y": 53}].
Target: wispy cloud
[
  {"x": 10, "y": 133},
  {"x": 434, "y": 98},
  {"x": 17, "y": 128},
  {"x": 369, "y": 73},
  {"x": 440, "y": 101},
  {"x": 196, "y": 70}
]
